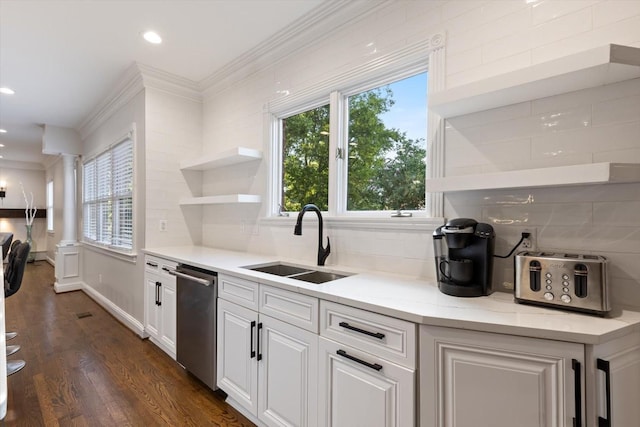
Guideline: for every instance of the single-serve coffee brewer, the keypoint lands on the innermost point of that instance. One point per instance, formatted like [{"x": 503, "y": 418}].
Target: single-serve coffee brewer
[{"x": 463, "y": 251}]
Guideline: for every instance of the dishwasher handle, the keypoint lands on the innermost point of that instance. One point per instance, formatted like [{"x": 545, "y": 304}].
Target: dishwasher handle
[{"x": 204, "y": 282}]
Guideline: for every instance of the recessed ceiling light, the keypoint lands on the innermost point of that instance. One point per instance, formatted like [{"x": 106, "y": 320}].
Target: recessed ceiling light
[
  {"x": 152, "y": 37},
  {"x": 6, "y": 91},
  {"x": 1, "y": 145},
  {"x": 3, "y": 131},
  {"x": 1, "y": 156}
]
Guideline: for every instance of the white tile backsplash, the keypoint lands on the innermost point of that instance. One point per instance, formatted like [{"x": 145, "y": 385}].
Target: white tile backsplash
[{"x": 484, "y": 39}]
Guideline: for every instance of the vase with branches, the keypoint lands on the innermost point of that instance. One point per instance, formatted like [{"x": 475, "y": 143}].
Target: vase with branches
[{"x": 30, "y": 214}]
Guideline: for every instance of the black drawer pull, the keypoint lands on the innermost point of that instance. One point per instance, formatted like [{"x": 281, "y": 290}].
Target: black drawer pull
[
  {"x": 167, "y": 269},
  {"x": 577, "y": 375},
  {"x": 253, "y": 351},
  {"x": 603, "y": 365},
  {"x": 373, "y": 366},
  {"x": 258, "y": 339},
  {"x": 362, "y": 331},
  {"x": 151, "y": 264}
]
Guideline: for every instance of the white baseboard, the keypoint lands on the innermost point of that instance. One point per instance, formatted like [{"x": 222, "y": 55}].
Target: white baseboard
[
  {"x": 67, "y": 287},
  {"x": 125, "y": 318},
  {"x": 51, "y": 261}
]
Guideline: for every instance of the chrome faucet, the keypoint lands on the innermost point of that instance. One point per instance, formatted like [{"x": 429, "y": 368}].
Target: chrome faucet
[{"x": 323, "y": 253}]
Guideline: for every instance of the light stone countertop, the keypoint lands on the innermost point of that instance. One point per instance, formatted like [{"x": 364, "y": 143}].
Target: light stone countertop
[{"x": 419, "y": 301}]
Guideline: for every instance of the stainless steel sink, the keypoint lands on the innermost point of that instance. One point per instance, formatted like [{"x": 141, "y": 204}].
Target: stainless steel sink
[
  {"x": 297, "y": 272},
  {"x": 318, "y": 276},
  {"x": 280, "y": 269}
]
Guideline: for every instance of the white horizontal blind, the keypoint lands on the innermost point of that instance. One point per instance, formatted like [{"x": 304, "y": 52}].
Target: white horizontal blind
[{"x": 108, "y": 197}]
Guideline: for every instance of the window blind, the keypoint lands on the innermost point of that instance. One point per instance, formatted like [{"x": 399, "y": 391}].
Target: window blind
[{"x": 108, "y": 197}]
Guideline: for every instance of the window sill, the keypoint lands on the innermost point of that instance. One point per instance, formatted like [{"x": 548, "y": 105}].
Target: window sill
[
  {"x": 122, "y": 256},
  {"x": 414, "y": 223}
]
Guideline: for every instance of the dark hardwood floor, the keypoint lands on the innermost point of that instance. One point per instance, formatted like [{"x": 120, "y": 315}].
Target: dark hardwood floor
[{"x": 93, "y": 371}]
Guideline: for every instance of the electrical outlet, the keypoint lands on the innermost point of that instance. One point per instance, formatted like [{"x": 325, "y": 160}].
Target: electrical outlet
[
  {"x": 163, "y": 225},
  {"x": 530, "y": 242}
]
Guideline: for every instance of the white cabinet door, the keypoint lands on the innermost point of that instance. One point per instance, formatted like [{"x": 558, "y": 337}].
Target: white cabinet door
[
  {"x": 617, "y": 363},
  {"x": 357, "y": 389},
  {"x": 152, "y": 321},
  {"x": 237, "y": 365},
  {"x": 168, "y": 306},
  {"x": 287, "y": 374},
  {"x": 471, "y": 379}
]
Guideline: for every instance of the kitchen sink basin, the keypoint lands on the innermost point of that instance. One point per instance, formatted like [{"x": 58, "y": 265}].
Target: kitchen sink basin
[
  {"x": 318, "y": 276},
  {"x": 280, "y": 269},
  {"x": 299, "y": 273}
]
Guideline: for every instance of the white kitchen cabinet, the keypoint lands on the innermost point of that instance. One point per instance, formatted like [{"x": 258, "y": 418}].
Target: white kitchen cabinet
[
  {"x": 267, "y": 367},
  {"x": 358, "y": 389},
  {"x": 367, "y": 371},
  {"x": 470, "y": 379},
  {"x": 160, "y": 303},
  {"x": 287, "y": 374},
  {"x": 237, "y": 363},
  {"x": 613, "y": 382}
]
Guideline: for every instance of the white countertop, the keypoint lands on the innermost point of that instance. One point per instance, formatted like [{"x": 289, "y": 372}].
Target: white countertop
[{"x": 419, "y": 301}]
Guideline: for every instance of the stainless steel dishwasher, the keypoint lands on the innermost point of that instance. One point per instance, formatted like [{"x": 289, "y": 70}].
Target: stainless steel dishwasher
[{"x": 196, "y": 322}]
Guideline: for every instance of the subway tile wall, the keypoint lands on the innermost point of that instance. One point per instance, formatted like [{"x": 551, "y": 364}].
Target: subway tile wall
[{"x": 484, "y": 38}]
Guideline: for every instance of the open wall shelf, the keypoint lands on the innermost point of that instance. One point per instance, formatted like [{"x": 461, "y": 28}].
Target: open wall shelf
[
  {"x": 226, "y": 158},
  {"x": 595, "y": 67},
  {"x": 220, "y": 200},
  {"x": 594, "y": 173}
]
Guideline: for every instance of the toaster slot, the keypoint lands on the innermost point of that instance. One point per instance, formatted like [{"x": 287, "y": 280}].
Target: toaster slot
[
  {"x": 535, "y": 273},
  {"x": 580, "y": 280}
]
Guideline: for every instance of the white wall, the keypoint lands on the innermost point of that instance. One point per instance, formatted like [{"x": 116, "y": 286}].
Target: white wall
[
  {"x": 33, "y": 181},
  {"x": 484, "y": 38},
  {"x": 120, "y": 281},
  {"x": 173, "y": 134},
  {"x": 55, "y": 172}
]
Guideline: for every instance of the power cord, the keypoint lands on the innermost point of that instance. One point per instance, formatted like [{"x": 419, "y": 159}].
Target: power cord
[{"x": 525, "y": 235}]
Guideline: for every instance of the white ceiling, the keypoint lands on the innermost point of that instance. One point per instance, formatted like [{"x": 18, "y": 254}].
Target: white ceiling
[{"x": 63, "y": 57}]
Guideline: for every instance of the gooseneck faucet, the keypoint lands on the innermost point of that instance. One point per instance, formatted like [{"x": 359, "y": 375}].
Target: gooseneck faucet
[{"x": 323, "y": 253}]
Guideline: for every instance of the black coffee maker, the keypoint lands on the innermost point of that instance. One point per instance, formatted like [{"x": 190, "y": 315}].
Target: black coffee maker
[{"x": 463, "y": 251}]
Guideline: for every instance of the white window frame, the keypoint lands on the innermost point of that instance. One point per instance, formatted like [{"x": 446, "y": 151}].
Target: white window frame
[
  {"x": 109, "y": 248},
  {"x": 49, "y": 207},
  {"x": 338, "y": 128}
]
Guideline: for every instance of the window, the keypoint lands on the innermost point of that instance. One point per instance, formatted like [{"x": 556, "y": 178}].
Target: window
[
  {"x": 108, "y": 197},
  {"x": 50, "y": 206},
  {"x": 377, "y": 136}
]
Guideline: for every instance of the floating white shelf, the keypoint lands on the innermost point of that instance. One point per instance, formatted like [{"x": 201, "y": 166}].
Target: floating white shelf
[
  {"x": 595, "y": 67},
  {"x": 594, "y": 173},
  {"x": 219, "y": 200},
  {"x": 225, "y": 158}
]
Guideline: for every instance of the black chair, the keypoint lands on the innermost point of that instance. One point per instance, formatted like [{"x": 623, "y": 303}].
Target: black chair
[{"x": 12, "y": 282}]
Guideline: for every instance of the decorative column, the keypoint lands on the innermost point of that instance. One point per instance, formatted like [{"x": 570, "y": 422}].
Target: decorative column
[
  {"x": 68, "y": 250},
  {"x": 69, "y": 231}
]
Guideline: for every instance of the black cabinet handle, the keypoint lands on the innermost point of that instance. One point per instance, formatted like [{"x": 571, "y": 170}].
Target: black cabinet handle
[
  {"x": 159, "y": 284},
  {"x": 151, "y": 264},
  {"x": 577, "y": 375},
  {"x": 603, "y": 365},
  {"x": 253, "y": 351},
  {"x": 373, "y": 366},
  {"x": 259, "y": 348},
  {"x": 362, "y": 331},
  {"x": 167, "y": 269},
  {"x": 157, "y": 293}
]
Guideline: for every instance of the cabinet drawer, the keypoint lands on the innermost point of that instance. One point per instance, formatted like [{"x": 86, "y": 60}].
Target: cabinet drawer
[
  {"x": 155, "y": 264},
  {"x": 387, "y": 337},
  {"x": 241, "y": 291},
  {"x": 296, "y": 309}
]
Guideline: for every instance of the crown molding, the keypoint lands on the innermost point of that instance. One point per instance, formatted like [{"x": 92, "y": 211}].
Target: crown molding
[
  {"x": 136, "y": 78},
  {"x": 16, "y": 164},
  {"x": 332, "y": 15}
]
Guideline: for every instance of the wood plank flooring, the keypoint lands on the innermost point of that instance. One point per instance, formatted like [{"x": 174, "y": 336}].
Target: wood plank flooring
[{"x": 93, "y": 371}]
